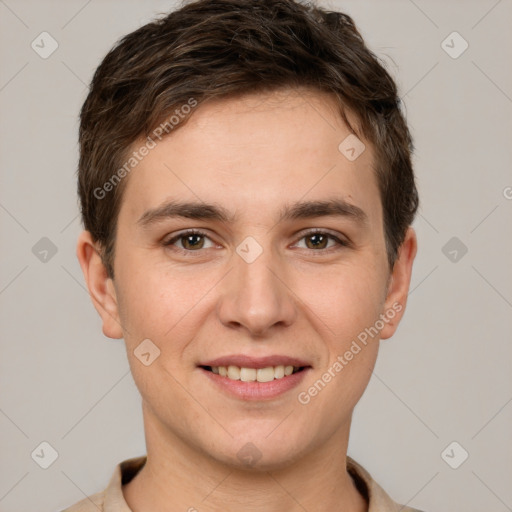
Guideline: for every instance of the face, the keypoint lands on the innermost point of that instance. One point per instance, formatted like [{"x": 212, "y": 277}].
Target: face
[{"x": 259, "y": 276}]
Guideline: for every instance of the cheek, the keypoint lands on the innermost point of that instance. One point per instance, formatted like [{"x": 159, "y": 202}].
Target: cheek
[
  {"x": 349, "y": 305},
  {"x": 157, "y": 307},
  {"x": 347, "y": 300},
  {"x": 165, "y": 306}
]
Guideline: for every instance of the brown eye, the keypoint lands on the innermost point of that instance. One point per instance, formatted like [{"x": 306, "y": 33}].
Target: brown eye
[
  {"x": 318, "y": 241},
  {"x": 190, "y": 241}
]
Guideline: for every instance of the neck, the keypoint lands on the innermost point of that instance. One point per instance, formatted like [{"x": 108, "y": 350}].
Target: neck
[{"x": 178, "y": 476}]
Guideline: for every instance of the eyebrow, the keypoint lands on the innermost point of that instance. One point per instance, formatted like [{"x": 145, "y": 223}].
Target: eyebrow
[{"x": 299, "y": 210}]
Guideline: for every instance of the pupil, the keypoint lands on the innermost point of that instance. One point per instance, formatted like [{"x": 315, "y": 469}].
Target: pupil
[
  {"x": 189, "y": 238},
  {"x": 316, "y": 237}
]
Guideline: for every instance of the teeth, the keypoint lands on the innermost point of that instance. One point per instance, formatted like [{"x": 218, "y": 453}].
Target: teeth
[
  {"x": 252, "y": 374},
  {"x": 234, "y": 372},
  {"x": 265, "y": 374},
  {"x": 245, "y": 374},
  {"x": 279, "y": 372}
]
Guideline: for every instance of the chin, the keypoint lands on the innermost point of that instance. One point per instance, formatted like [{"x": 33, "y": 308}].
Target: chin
[{"x": 260, "y": 452}]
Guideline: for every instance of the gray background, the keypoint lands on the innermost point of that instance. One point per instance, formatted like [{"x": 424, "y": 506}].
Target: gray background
[{"x": 445, "y": 376}]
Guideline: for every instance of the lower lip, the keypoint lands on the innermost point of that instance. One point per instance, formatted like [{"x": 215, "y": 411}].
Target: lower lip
[{"x": 256, "y": 390}]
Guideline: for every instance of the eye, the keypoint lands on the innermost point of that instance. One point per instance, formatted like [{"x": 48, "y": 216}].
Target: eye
[
  {"x": 191, "y": 240},
  {"x": 317, "y": 240}
]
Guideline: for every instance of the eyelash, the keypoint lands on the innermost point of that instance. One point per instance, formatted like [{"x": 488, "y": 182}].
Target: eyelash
[{"x": 341, "y": 243}]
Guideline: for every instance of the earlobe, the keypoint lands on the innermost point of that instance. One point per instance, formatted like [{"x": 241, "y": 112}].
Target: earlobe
[
  {"x": 100, "y": 286},
  {"x": 398, "y": 289}
]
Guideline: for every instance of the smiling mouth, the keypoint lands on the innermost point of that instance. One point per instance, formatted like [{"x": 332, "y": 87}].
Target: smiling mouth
[{"x": 243, "y": 374}]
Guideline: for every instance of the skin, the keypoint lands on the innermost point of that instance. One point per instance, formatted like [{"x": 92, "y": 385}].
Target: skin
[{"x": 251, "y": 155}]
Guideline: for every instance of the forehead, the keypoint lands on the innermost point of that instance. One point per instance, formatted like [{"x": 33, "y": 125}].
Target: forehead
[{"x": 253, "y": 154}]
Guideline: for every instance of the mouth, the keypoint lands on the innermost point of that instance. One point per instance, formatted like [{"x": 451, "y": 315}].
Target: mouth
[
  {"x": 247, "y": 378},
  {"x": 246, "y": 374}
]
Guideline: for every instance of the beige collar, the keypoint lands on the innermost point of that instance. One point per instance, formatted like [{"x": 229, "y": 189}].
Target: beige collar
[{"x": 112, "y": 499}]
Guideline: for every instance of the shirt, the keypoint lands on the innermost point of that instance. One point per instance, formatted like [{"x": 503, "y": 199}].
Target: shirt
[{"x": 112, "y": 499}]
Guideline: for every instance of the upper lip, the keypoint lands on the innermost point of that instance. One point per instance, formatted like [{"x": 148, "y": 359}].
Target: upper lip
[{"x": 244, "y": 361}]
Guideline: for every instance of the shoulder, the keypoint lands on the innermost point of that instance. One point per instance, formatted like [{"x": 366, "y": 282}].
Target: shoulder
[
  {"x": 92, "y": 503},
  {"x": 378, "y": 499},
  {"x": 111, "y": 499}
]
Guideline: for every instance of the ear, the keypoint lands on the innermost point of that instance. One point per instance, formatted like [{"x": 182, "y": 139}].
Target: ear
[
  {"x": 101, "y": 287},
  {"x": 398, "y": 288}
]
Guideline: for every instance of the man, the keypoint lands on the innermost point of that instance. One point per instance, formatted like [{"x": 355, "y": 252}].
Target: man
[{"x": 247, "y": 195}]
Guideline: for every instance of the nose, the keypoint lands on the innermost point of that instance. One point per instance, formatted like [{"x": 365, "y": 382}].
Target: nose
[{"x": 256, "y": 297}]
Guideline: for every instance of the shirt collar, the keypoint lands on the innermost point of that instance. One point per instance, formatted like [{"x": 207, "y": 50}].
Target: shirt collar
[{"x": 377, "y": 498}]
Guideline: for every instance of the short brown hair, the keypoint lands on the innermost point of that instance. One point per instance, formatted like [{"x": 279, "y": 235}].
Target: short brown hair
[{"x": 225, "y": 48}]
